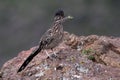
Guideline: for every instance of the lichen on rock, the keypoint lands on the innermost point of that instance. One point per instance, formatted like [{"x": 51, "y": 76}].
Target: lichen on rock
[{"x": 77, "y": 58}]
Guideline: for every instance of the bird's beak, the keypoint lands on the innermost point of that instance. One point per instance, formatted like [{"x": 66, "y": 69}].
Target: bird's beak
[{"x": 69, "y": 17}]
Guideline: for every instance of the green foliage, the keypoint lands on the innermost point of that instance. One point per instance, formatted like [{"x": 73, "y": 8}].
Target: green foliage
[
  {"x": 87, "y": 51},
  {"x": 91, "y": 57}
]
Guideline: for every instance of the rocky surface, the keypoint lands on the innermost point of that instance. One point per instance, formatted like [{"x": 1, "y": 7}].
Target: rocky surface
[{"x": 77, "y": 58}]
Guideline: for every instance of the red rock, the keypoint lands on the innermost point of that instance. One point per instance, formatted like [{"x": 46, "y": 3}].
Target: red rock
[{"x": 74, "y": 61}]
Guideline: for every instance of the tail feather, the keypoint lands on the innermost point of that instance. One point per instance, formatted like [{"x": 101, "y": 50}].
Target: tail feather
[{"x": 27, "y": 61}]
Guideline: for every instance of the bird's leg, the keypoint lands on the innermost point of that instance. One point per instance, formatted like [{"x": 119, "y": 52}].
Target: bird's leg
[
  {"x": 54, "y": 55},
  {"x": 53, "y": 52},
  {"x": 48, "y": 54}
]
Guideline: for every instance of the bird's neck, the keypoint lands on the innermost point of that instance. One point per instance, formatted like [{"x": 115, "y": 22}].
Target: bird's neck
[{"x": 57, "y": 26}]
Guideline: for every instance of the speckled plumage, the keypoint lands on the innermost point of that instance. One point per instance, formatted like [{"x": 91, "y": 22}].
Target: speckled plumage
[{"x": 50, "y": 39}]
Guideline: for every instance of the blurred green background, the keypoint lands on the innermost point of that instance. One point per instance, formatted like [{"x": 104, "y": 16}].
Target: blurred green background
[{"x": 22, "y": 22}]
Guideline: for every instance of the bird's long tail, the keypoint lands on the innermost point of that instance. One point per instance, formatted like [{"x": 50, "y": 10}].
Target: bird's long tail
[{"x": 27, "y": 61}]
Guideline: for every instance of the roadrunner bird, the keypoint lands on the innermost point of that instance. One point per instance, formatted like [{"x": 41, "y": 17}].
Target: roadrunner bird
[{"x": 50, "y": 39}]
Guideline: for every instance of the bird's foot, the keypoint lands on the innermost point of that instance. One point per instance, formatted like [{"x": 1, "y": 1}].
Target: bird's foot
[{"x": 52, "y": 55}]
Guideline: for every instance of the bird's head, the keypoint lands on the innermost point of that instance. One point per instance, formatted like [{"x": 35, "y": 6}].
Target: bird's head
[{"x": 60, "y": 17}]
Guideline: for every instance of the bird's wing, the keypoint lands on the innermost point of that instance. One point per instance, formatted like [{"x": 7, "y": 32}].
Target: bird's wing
[{"x": 47, "y": 38}]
